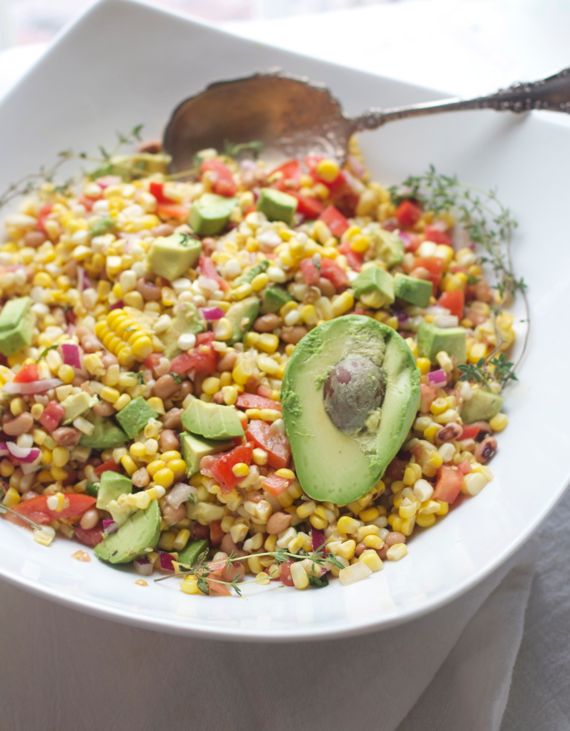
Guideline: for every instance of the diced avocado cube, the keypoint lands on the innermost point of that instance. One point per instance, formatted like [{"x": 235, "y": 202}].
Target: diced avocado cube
[
  {"x": 241, "y": 316},
  {"x": 374, "y": 287},
  {"x": 188, "y": 319},
  {"x": 106, "y": 435},
  {"x": 410, "y": 289},
  {"x": 432, "y": 340},
  {"x": 388, "y": 245},
  {"x": 135, "y": 415},
  {"x": 16, "y": 325},
  {"x": 112, "y": 485},
  {"x": 172, "y": 256},
  {"x": 274, "y": 298},
  {"x": 194, "y": 552},
  {"x": 76, "y": 404},
  {"x": 13, "y": 311},
  {"x": 210, "y": 214},
  {"x": 139, "y": 533},
  {"x": 482, "y": 406},
  {"x": 194, "y": 448},
  {"x": 277, "y": 206},
  {"x": 250, "y": 275},
  {"x": 212, "y": 421}
]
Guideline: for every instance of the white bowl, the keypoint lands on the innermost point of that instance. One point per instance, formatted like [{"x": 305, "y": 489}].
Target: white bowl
[{"x": 124, "y": 63}]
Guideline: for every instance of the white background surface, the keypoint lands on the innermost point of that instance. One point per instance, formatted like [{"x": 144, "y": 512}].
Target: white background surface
[{"x": 80, "y": 673}]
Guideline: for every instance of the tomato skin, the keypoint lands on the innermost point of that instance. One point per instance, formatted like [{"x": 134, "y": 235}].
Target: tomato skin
[
  {"x": 454, "y": 302},
  {"x": 434, "y": 266},
  {"x": 437, "y": 236},
  {"x": 336, "y": 222},
  {"x": 275, "y": 485},
  {"x": 43, "y": 213},
  {"x": 274, "y": 442},
  {"x": 408, "y": 213},
  {"x": 90, "y": 537},
  {"x": 289, "y": 171},
  {"x": 208, "y": 269},
  {"x": 310, "y": 271},
  {"x": 224, "y": 183},
  {"x": 307, "y": 206},
  {"x": 27, "y": 374},
  {"x": 52, "y": 416},
  {"x": 448, "y": 486},
  {"x": 470, "y": 431},
  {"x": 334, "y": 273},
  {"x": 109, "y": 466},
  {"x": 172, "y": 210},
  {"x": 157, "y": 190},
  {"x": 253, "y": 401},
  {"x": 354, "y": 259},
  {"x": 37, "y": 508},
  {"x": 285, "y": 573},
  {"x": 201, "y": 361},
  {"x": 220, "y": 468},
  {"x": 427, "y": 395}
]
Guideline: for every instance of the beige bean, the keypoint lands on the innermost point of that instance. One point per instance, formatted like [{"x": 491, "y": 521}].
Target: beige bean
[
  {"x": 171, "y": 515},
  {"x": 326, "y": 287},
  {"x": 227, "y": 361},
  {"x": 102, "y": 408},
  {"x": 485, "y": 451},
  {"x": 420, "y": 273},
  {"x": 172, "y": 419},
  {"x": 165, "y": 386},
  {"x": 312, "y": 295},
  {"x": 33, "y": 239},
  {"x": 165, "y": 229},
  {"x": 292, "y": 335},
  {"x": 394, "y": 537},
  {"x": 19, "y": 425},
  {"x": 184, "y": 389},
  {"x": 168, "y": 440},
  {"x": 89, "y": 519},
  {"x": 149, "y": 291},
  {"x": 267, "y": 323},
  {"x": 278, "y": 522},
  {"x": 66, "y": 436}
]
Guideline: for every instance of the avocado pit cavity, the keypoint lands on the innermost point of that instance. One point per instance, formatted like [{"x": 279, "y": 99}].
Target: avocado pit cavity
[{"x": 354, "y": 388}]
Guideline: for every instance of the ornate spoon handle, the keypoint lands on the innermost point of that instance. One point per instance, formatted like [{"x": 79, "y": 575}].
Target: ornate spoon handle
[{"x": 552, "y": 94}]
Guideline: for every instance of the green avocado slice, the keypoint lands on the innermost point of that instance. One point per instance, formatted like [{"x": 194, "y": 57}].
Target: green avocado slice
[
  {"x": 345, "y": 431},
  {"x": 212, "y": 421},
  {"x": 193, "y": 552},
  {"x": 140, "y": 532},
  {"x": 106, "y": 435}
]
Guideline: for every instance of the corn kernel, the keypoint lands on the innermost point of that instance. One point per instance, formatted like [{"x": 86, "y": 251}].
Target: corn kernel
[
  {"x": 347, "y": 525},
  {"x": 499, "y": 422},
  {"x": 178, "y": 467},
  {"x": 128, "y": 464},
  {"x": 155, "y": 466},
  {"x": 426, "y": 521},
  {"x": 260, "y": 456},
  {"x": 11, "y": 498},
  {"x": 372, "y": 541},
  {"x": 166, "y": 542},
  {"x": 328, "y": 170},
  {"x": 66, "y": 373},
  {"x": 109, "y": 394},
  {"x": 164, "y": 477},
  {"x": 17, "y": 406},
  {"x": 181, "y": 539},
  {"x": 371, "y": 559},
  {"x": 299, "y": 576},
  {"x": 268, "y": 343},
  {"x": 396, "y": 552},
  {"x": 60, "y": 456},
  {"x": 44, "y": 535},
  {"x": 343, "y": 303},
  {"x": 241, "y": 469},
  {"x": 190, "y": 585},
  {"x": 412, "y": 473}
]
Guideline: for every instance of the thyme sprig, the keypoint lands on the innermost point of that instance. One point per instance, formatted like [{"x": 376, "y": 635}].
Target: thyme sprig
[{"x": 496, "y": 369}]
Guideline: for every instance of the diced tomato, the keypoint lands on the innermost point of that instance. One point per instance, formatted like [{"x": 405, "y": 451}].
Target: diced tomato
[
  {"x": 336, "y": 222},
  {"x": 37, "y": 508},
  {"x": 428, "y": 394},
  {"x": 157, "y": 190},
  {"x": 52, "y": 416},
  {"x": 208, "y": 269},
  {"x": 464, "y": 468},
  {"x": 43, "y": 213},
  {"x": 470, "y": 431},
  {"x": 152, "y": 361},
  {"x": 334, "y": 273},
  {"x": 307, "y": 206},
  {"x": 87, "y": 202},
  {"x": 285, "y": 573},
  {"x": 253, "y": 401},
  {"x": 453, "y": 301},
  {"x": 220, "y": 468},
  {"x": 215, "y": 588},
  {"x": 216, "y": 533},
  {"x": 109, "y": 466},
  {"x": 27, "y": 374},
  {"x": 411, "y": 242},
  {"x": 90, "y": 537},
  {"x": 448, "y": 485},
  {"x": 201, "y": 361},
  {"x": 224, "y": 183},
  {"x": 354, "y": 259},
  {"x": 434, "y": 234},
  {"x": 289, "y": 171},
  {"x": 408, "y": 213},
  {"x": 310, "y": 271},
  {"x": 273, "y": 441},
  {"x": 206, "y": 338},
  {"x": 275, "y": 485},
  {"x": 434, "y": 266},
  {"x": 174, "y": 211}
]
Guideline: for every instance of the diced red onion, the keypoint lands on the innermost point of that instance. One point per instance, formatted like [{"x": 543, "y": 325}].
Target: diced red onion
[
  {"x": 180, "y": 493},
  {"x": 317, "y": 538},
  {"x": 143, "y": 566},
  {"x": 22, "y": 454},
  {"x": 71, "y": 354},
  {"x": 109, "y": 525},
  {"x": 107, "y": 180},
  {"x": 406, "y": 237},
  {"x": 3, "y": 449},
  {"x": 212, "y": 313},
  {"x": 83, "y": 281},
  {"x": 33, "y": 387},
  {"x": 438, "y": 378},
  {"x": 166, "y": 562},
  {"x": 117, "y": 305}
]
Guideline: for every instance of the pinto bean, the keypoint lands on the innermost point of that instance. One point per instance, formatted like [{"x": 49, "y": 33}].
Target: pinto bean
[
  {"x": 165, "y": 229},
  {"x": 420, "y": 273},
  {"x": 227, "y": 361},
  {"x": 172, "y": 419},
  {"x": 292, "y": 335},
  {"x": 102, "y": 408},
  {"x": 89, "y": 519},
  {"x": 278, "y": 522},
  {"x": 326, "y": 287},
  {"x": 149, "y": 291},
  {"x": 168, "y": 440},
  {"x": 394, "y": 537},
  {"x": 19, "y": 425},
  {"x": 33, "y": 239},
  {"x": 486, "y": 450},
  {"x": 165, "y": 386},
  {"x": 267, "y": 323},
  {"x": 66, "y": 436},
  {"x": 173, "y": 515},
  {"x": 449, "y": 432}
]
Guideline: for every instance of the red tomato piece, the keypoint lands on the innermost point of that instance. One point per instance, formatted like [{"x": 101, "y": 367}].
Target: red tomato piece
[
  {"x": 434, "y": 266},
  {"x": 275, "y": 485},
  {"x": 152, "y": 360},
  {"x": 52, "y": 416},
  {"x": 273, "y": 441},
  {"x": 448, "y": 485},
  {"x": 202, "y": 361},
  {"x": 288, "y": 171},
  {"x": 208, "y": 269},
  {"x": 90, "y": 537},
  {"x": 285, "y": 573},
  {"x": 354, "y": 259},
  {"x": 220, "y": 468},
  {"x": 205, "y": 338},
  {"x": 307, "y": 206},
  {"x": 109, "y": 466},
  {"x": 428, "y": 394},
  {"x": 434, "y": 234},
  {"x": 27, "y": 374},
  {"x": 470, "y": 431},
  {"x": 454, "y": 302},
  {"x": 174, "y": 211},
  {"x": 336, "y": 222},
  {"x": 253, "y": 401},
  {"x": 37, "y": 508},
  {"x": 157, "y": 190},
  {"x": 43, "y": 214},
  {"x": 224, "y": 183},
  {"x": 334, "y": 273},
  {"x": 408, "y": 213},
  {"x": 310, "y": 271}
]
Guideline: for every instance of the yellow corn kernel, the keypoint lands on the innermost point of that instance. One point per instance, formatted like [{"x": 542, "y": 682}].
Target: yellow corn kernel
[
  {"x": 305, "y": 510},
  {"x": 431, "y": 432},
  {"x": 343, "y": 303},
  {"x": 166, "y": 542},
  {"x": 443, "y": 507},
  {"x": 58, "y": 474},
  {"x": 423, "y": 365},
  {"x": 268, "y": 343},
  {"x": 309, "y": 315},
  {"x": 499, "y": 422},
  {"x": 254, "y": 565},
  {"x": 44, "y": 535},
  {"x": 317, "y": 522},
  {"x": 397, "y": 486},
  {"x": 164, "y": 477},
  {"x": 262, "y": 578},
  {"x": 299, "y": 576},
  {"x": 182, "y": 538},
  {"x": 328, "y": 170},
  {"x": 426, "y": 521},
  {"x": 360, "y": 244},
  {"x": 155, "y": 466},
  {"x": 476, "y": 351},
  {"x": 211, "y": 385},
  {"x": 66, "y": 373},
  {"x": 371, "y": 559},
  {"x": 347, "y": 525},
  {"x": 17, "y": 406},
  {"x": 60, "y": 456},
  {"x": 259, "y": 282},
  {"x": 241, "y": 469},
  {"x": 122, "y": 401},
  {"x": 372, "y": 541},
  {"x": 190, "y": 585},
  {"x": 109, "y": 394},
  {"x": 178, "y": 467},
  {"x": 137, "y": 450},
  {"x": 347, "y": 549},
  {"x": 285, "y": 473},
  {"x": 11, "y": 498},
  {"x": 397, "y": 552},
  {"x": 128, "y": 464},
  {"x": 412, "y": 473},
  {"x": 439, "y": 405}
]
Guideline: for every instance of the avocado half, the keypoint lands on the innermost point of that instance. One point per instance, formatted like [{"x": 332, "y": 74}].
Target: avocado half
[{"x": 350, "y": 394}]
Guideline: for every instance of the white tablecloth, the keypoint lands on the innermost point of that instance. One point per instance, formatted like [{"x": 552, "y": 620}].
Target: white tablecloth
[{"x": 494, "y": 659}]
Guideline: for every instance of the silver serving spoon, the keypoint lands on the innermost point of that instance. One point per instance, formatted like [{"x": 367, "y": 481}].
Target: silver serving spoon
[{"x": 291, "y": 116}]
